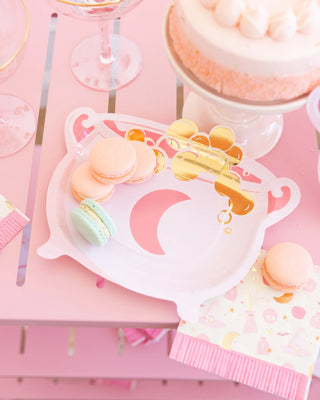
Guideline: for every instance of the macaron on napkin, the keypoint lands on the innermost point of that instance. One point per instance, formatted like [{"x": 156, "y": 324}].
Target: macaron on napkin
[
  {"x": 257, "y": 335},
  {"x": 12, "y": 221}
]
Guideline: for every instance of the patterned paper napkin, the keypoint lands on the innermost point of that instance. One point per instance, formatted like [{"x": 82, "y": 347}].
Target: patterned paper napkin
[
  {"x": 12, "y": 221},
  {"x": 257, "y": 335}
]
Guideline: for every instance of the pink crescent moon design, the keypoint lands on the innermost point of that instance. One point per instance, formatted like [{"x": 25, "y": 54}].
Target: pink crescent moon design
[
  {"x": 146, "y": 214},
  {"x": 79, "y": 131}
]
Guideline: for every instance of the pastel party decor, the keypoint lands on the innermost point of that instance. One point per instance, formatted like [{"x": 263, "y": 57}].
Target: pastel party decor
[
  {"x": 287, "y": 267},
  {"x": 137, "y": 336},
  {"x": 84, "y": 186},
  {"x": 263, "y": 346},
  {"x": 313, "y": 110},
  {"x": 258, "y": 51},
  {"x": 166, "y": 225},
  {"x": 93, "y": 222},
  {"x": 12, "y": 221},
  {"x": 270, "y": 315},
  {"x": 112, "y": 160},
  {"x": 275, "y": 353},
  {"x": 214, "y": 153},
  {"x": 146, "y": 163}
]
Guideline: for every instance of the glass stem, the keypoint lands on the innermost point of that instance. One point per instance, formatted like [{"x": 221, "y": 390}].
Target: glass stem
[{"x": 106, "y": 56}]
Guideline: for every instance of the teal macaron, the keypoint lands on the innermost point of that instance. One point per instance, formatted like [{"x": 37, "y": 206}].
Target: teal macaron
[{"x": 93, "y": 222}]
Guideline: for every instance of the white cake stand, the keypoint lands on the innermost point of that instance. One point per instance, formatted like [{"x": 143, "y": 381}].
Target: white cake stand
[{"x": 257, "y": 126}]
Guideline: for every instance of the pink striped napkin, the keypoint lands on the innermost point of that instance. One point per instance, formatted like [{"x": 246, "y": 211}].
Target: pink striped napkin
[
  {"x": 12, "y": 221},
  {"x": 256, "y": 335}
]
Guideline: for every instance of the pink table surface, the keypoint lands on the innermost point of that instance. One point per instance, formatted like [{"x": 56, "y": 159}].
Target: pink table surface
[{"x": 62, "y": 292}]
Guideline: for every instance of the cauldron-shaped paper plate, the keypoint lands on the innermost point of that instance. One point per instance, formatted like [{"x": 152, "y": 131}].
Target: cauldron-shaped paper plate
[{"x": 176, "y": 239}]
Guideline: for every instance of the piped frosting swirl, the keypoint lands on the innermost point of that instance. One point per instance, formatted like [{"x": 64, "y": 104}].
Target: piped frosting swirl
[
  {"x": 283, "y": 26},
  {"x": 228, "y": 12},
  {"x": 254, "y": 21},
  {"x": 308, "y": 16}
]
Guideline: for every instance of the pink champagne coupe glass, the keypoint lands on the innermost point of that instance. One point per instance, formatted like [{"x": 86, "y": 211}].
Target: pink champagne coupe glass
[
  {"x": 104, "y": 61},
  {"x": 17, "y": 120}
]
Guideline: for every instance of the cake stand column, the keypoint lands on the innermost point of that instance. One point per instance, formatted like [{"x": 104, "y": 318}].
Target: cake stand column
[{"x": 255, "y": 132}]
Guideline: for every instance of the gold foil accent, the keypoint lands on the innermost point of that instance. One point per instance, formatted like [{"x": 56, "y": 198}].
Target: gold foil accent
[
  {"x": 221, "y": 137},
  {"x": 105, "y": 3},
  {"x": 199, "y": 138},
  {"x": 135, "y": 134},
  {"x": 187, "y": 165},
  {"x": 228, "y": 185},
  {"x": 228, "y": 231},
  {"x": 221, "y": 217},
  {"x": 5, "y": 64},
  {"x": 227, "y": 340},
  {"x": 196, "y": 154},
  {"x": 161, "y": 158},
  {"x": 9, "y": 205},
  {"x": 310, "y": 370},
  {"x": 182, "y": 129},
  {"x": 285, "y": 298}
]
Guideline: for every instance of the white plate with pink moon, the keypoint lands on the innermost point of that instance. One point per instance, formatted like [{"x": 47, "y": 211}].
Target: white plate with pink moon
[{"x": 169, "y": 242}]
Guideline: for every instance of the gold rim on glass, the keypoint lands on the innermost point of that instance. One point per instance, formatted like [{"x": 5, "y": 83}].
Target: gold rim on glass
[
  {"x": 74, "y": 3},
  {"x": 23, "y": 40}
]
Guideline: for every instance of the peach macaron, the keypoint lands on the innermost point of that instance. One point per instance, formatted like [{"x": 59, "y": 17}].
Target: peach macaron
[
  {"x": 85, "y": 186},
  {"x": 146, "y": 162},
  {"x": 113, "y": 160},
  {"x": 287, "y": 267}
]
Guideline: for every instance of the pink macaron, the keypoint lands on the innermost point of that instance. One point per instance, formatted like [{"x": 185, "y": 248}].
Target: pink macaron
[
  {"x": 146, "y": 162},
  {"x": 85, "y": 186},
  {"x": 113, "y": 160},
  {"x": 287, "y": 267}
]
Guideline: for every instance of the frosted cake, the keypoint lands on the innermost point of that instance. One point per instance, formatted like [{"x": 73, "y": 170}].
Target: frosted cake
[{"x": 256, "y": 50}]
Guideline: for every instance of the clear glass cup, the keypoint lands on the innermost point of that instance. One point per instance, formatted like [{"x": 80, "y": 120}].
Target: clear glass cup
[
  {"x": 104, "y": 61},
  {"x": 17, "y": 120}
]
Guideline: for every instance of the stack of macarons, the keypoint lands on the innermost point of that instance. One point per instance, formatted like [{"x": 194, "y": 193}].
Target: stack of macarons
[
  {"x": 287, "y": 267},
  {"x": 112, "y": 161}
]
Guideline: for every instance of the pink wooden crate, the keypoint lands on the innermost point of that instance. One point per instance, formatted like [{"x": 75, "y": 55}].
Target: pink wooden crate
[
  {"x": 48, "y": 389},
  {"x": 81, "y": 352}
]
